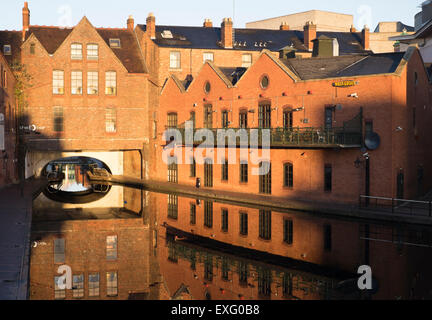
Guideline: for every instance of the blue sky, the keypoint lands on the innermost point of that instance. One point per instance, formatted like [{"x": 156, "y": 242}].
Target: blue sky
[{"x": 113, "y": 13}]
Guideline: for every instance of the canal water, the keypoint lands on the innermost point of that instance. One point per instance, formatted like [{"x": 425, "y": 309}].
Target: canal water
[{"x": 118, "y": 243}]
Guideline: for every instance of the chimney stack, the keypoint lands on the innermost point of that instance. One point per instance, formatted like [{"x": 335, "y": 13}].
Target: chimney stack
[
  {"x": 227, "y": 33},
  {"x": 131, "y": 23},
  {"x": 151, "y": 26},
  {"x": 284, "y": 26},
  {"x": 208, "y": 23},
  {"x": 26, "y": 19},
  {"x": 310, "y": 32},
  {"x": 365, "y": 38}
]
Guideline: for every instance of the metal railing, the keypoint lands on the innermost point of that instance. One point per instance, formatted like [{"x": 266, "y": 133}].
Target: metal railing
[
  {"x": 398, "y": 206},
  {"x": 280, "y": 137}
]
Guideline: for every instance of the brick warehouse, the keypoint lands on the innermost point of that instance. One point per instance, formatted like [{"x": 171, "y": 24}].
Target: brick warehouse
[
  {"x": 85, "y": 94},
  {"x": 8, "y": 152},
  {"x": 317, "y": 127}
]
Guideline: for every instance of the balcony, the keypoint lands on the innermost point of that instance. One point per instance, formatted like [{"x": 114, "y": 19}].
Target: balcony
[{"x": 295, "y": 138}]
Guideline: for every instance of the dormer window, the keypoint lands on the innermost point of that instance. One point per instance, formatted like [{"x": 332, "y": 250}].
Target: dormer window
[
  {"x": 7, "y": 50},
  {"x": 166, "y": 34},
  {"x": 115, "y": 43}
]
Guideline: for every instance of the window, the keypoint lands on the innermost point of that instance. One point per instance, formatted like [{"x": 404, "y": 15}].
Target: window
[
  {"x": 208, "y": 116},
  {"x": 111, "y": 248},
  {"x": 225, "y": 269},
  {"x": 175, "y": 60},
  {"x": 224, "y": 220},
  {"x": 92, "y": 52},
  {"x": 78, "y": 286},
  {"x": 288, "y": 231},
  {"x": 369, "y": 126},
  {"x": 265, "y": 224},
  {"x": 207, "y": 87},
  {"x": 225, "y": 121},
  {"x": 208, "y": 56},
  {"x": 288, "y": 119},
  {"x": 172, "y": 120},
  {"x": 265, "y": 178},
  {"x": 92, "y": 82},
  {"x": 112, "y": 284},
  {"x": 288, "y": 175},
  {"x": 328, "y": 172},
  {"x": 172, "y": 206},
  {"x": 264, "y": 116},
  {"x": 225, "y": 170},
  {"x": 328, "y": 118},
  {"x": 193, "y": 119},
  {"x": 173, "y": 171},
  {"x": 243, "y": 273},
  {"x": 246, "y": 60},
  {"x": 59, "y": 250},
  {"x": 115, "y": 43},
  {"x": 244, "y": 172},
  {"x": 173, "y": 254},
  {"x": 193, "y": 214},
  {"x": 59, "y": 294},
  {"x": 264, "y": 82},
  {"x": 208, "y": 173},
  {"x": 94, "y": 284},
  {"x": 7, "y": 50},
  {"x": 327, "y": 238},
  {"x": 76, "y": 51},
  {"x": 244, "y": 224},
  {"x": 208, "y": 269},
  {"x": 32, "y": 48},
  {"x": 58, "y": 119},
  {"x": 77, "y": 82},
  {"x": 287, "y": 285},
  {"x": 110, "y": 120},
  {"x": 111, "y": 83},
  {"x": 208, "y": 214},
  {"x": 58, "y": 82},
  {"x": 264, "y": 282},
  {"x": 193, "y": 168},
  {"x": 243, "y": 119}
]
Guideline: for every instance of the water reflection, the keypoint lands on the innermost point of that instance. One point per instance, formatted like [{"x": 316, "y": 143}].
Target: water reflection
[{"x": 134, "y": 244}]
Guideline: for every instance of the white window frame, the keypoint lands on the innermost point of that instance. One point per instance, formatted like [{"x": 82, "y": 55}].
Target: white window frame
[
  {"x": 175, "y": 60},
  {"x": 110, "y": 120},
  {"x": 111, "y": 83},
  {"x": 7, "y": 50},
  {"x": 76, "y": 51},
  {"x": 92, "y": 51},
  {"x": 92, "y": 83},
  {"x": 58, "y": 82},
  {"x": 76, "y": 82},
  {"x": 207, "y": 55},
  {"x": 246, "y": 63},
  {"x": 115, "y": 43}
]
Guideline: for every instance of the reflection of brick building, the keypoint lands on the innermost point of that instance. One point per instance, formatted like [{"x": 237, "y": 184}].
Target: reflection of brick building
[
  {"x": 8, "y": 173},
  {"x": 112, "y": 256},
  {"x": 319, "y": 110},
  {"x": 398, "y": 256}
]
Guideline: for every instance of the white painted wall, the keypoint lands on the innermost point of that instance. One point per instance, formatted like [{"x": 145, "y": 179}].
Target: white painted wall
[{"x": 37, "y": 160}]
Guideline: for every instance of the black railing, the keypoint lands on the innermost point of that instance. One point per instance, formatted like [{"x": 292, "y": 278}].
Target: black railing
[
  {"x": 280, "y": 137},
  {"x": 397, "y": 206}
]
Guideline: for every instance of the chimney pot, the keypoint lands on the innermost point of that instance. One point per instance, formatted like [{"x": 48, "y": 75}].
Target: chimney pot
[
  {"x": 208, "y": 23},
  {"x": 284, "y": 26},
  {"x": 151, "y": 26},
  {"x": 227, "y": 33},
  {"x": 26, "y": 20},
  {"x": 353, "y": 29},
  {"x": 310, "y": 33},
  {"x": 131, "y": 23}
]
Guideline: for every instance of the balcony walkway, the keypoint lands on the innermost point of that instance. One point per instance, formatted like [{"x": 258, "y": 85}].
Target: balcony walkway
[{"x": 15, "y": 229}]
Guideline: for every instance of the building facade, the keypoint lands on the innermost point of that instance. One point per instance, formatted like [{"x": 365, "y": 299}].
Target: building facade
[
  {"x": 320, "y": 112},
  {"x": 8, "y": 137}
]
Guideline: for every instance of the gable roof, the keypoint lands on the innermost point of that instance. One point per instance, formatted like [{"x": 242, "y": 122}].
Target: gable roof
[
  {"x": 250, "y": 39},
  {"x": 51, "y": 38},
  {"x": 345, "y": 66}
]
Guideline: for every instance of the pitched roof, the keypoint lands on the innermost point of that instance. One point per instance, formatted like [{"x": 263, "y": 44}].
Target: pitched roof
[
  {"x": 52, "y": 37},
  {"x": 344, "y": 66},
  {"x": 250, "y": 39}
]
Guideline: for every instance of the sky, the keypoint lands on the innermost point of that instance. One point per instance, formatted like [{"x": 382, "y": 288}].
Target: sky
[{"x": 114, "y": 13}]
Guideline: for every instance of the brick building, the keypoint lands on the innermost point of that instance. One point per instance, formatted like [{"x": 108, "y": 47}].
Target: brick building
[
  {"x": 324, "y": 115},
  {"x": 85, "y": 94},
  {"x": 8, "y": 143}
]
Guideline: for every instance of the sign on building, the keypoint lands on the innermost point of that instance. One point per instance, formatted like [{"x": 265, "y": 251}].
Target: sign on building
[{"x": 2, "y": 132}]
